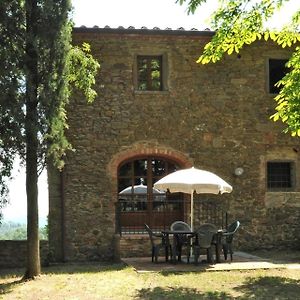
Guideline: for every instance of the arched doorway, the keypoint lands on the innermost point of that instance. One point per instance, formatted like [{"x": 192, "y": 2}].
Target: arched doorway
[{"x": 139, "y": 202}]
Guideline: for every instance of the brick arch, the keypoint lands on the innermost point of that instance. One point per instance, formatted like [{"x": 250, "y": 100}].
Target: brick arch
[
  {"x": 145, "y": 149},
  {"x": 141, "y": 149}
]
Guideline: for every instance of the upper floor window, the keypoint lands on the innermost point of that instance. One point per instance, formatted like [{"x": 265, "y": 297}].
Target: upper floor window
[
  {"x": 149, "y": 73},
  {"x": 277, "y": 71},
  {"x": 279, "y": 175}
]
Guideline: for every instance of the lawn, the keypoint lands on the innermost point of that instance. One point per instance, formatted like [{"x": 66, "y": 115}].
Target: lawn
[{"x": 118, "y": 281}]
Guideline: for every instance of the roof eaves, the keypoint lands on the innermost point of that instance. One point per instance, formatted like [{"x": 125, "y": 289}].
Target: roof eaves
[{"x": 143, "y": 30}]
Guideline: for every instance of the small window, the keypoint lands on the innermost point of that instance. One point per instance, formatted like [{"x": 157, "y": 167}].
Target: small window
[
  {"x": 279, "y": 175},
  {"x": 149, "y": 73},
  {"x": 277, "y": 71}
]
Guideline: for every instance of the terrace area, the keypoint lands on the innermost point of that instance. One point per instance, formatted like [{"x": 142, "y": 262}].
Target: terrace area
[{"x": 264, "y": 259}]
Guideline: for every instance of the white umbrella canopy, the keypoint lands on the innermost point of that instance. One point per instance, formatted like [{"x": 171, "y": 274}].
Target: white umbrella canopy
[
  {"x": 138, "y": 189},
  {"x": 193, "y": 180}
]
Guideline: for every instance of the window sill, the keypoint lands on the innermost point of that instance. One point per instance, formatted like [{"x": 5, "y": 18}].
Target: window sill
[
  {"x": 134, "y": 236},
  {"x": 291, "y": 190},
  {"x": 138, "y": 92}
]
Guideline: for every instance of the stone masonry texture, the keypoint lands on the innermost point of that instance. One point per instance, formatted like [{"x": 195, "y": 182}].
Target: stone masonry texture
[
  {"x": 215, "y": 117},
  {"x": 13, "y": 254}
]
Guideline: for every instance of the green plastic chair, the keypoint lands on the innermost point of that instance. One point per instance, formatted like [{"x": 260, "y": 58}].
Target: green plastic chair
[
  {"x": 156, "y": 244},
  {"x": 228, "y": 238},
  {"x": 202, "y": 240}
]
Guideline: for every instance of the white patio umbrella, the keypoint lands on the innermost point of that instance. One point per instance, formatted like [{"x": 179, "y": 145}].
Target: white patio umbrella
[
  {"x": 193, "y": 180},
  {"x": 138, "y": 189}
]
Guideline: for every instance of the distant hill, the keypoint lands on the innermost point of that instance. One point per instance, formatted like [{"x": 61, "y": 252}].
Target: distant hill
[
  {"x": 18, "y": 231},
  {"x": 23, "y": 221}
]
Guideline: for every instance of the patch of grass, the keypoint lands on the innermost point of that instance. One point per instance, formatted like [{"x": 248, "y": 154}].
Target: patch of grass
[
  {"x": 83, "y": 268},
  {"x": 117, "y": 281}
]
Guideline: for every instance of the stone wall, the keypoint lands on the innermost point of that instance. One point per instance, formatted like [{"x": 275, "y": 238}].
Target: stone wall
[
  {"x": 213, "y": 116},
  {"x": 138, "y": 245},
  {"x": 13, "y": 253}
]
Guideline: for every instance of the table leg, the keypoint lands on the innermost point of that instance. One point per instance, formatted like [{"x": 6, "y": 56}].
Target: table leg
[
  {"x": 179, "y": 251},
  {"x": 167, "y": 241},
  {"x": 167, "y": 253},
  {"x": 174, "y": 248},
  {"x": 218, "y": 248}
]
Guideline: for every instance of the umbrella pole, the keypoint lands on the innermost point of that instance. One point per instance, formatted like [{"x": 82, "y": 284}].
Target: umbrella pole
[
  {"x": 192, "y": 210},
  {"x": 192, "y": 220}
]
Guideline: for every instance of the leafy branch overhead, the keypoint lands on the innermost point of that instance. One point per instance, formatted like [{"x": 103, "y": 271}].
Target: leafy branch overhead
[
  {"x": 241, "y": 22},
  {"x": 82, "y": 69}
]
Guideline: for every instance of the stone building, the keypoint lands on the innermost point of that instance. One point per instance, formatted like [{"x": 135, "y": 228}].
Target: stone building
[{"x": 157, "y": 110}]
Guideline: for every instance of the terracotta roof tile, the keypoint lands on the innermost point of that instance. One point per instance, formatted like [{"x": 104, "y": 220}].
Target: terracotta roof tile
[{"x": 145, "y": 30}]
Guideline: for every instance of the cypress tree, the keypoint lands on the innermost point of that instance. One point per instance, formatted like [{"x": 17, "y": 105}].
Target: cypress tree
[{"x": 37, "y": 70}]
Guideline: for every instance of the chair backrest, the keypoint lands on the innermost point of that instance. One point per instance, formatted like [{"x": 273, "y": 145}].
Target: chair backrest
[
  {"x": 205, "y": 238},
  {"x": 180, "y": 226},
  {"x": 232, "y": 228},
  {"x": 150, "y": 232},
  {"x": 208, "y": 227}
]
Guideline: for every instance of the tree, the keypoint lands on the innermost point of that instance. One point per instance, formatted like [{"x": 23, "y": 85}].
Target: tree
[
  {"x": 241, "y": 22},
  {"x": 38, "y": 67},
  {"x": 11, "y": 51}
]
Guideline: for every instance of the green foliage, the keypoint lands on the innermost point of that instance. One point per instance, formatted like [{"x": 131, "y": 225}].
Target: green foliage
[
  {"x": 81, "y": 69},
  {"x": 241, "y": 22},
  {"x": 16, "y": 231},
  {"x": 192, "y": 4},
  {"x": 60, "y": 67},
  {"x": 288, "y": 103},
  {"x": 82, "y": 65},
  {"x": 38, "y": 65},
  {"x": 237, "y": 24},
  {"x": 43, "y": 232},
  {"x": 11, "y": 78}
]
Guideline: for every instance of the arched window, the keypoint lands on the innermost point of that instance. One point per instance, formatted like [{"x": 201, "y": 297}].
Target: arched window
[{"x": 139, "y": 202}]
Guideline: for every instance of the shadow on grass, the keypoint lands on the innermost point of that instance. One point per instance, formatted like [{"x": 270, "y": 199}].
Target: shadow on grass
[
  {"x": 177, "y": 273},
  {"x": 69, "y": 268},
  {"x": 6, "y": 288},
  {"x": 179, "y": 293},
  {"x": 269, "y": 287},
  {"x": 262, "y": 288},
  {"x": 183, "y": 269}
]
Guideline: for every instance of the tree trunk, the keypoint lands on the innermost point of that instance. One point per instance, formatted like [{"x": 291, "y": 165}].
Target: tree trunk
[{"x": 31, "y": 131}]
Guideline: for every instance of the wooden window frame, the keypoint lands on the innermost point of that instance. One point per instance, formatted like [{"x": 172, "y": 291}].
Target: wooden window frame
[
  {"x": 149, "y": 211},
  {"x": 163, "y": 73}
]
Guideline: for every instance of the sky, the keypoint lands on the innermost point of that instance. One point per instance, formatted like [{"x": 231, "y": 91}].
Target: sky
[
  {"x": 16, "y": 211},
  {"x": 115, "y": 13},
  {"x": 152, "y": 13},
  {"x": 138, "y": 13}
]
